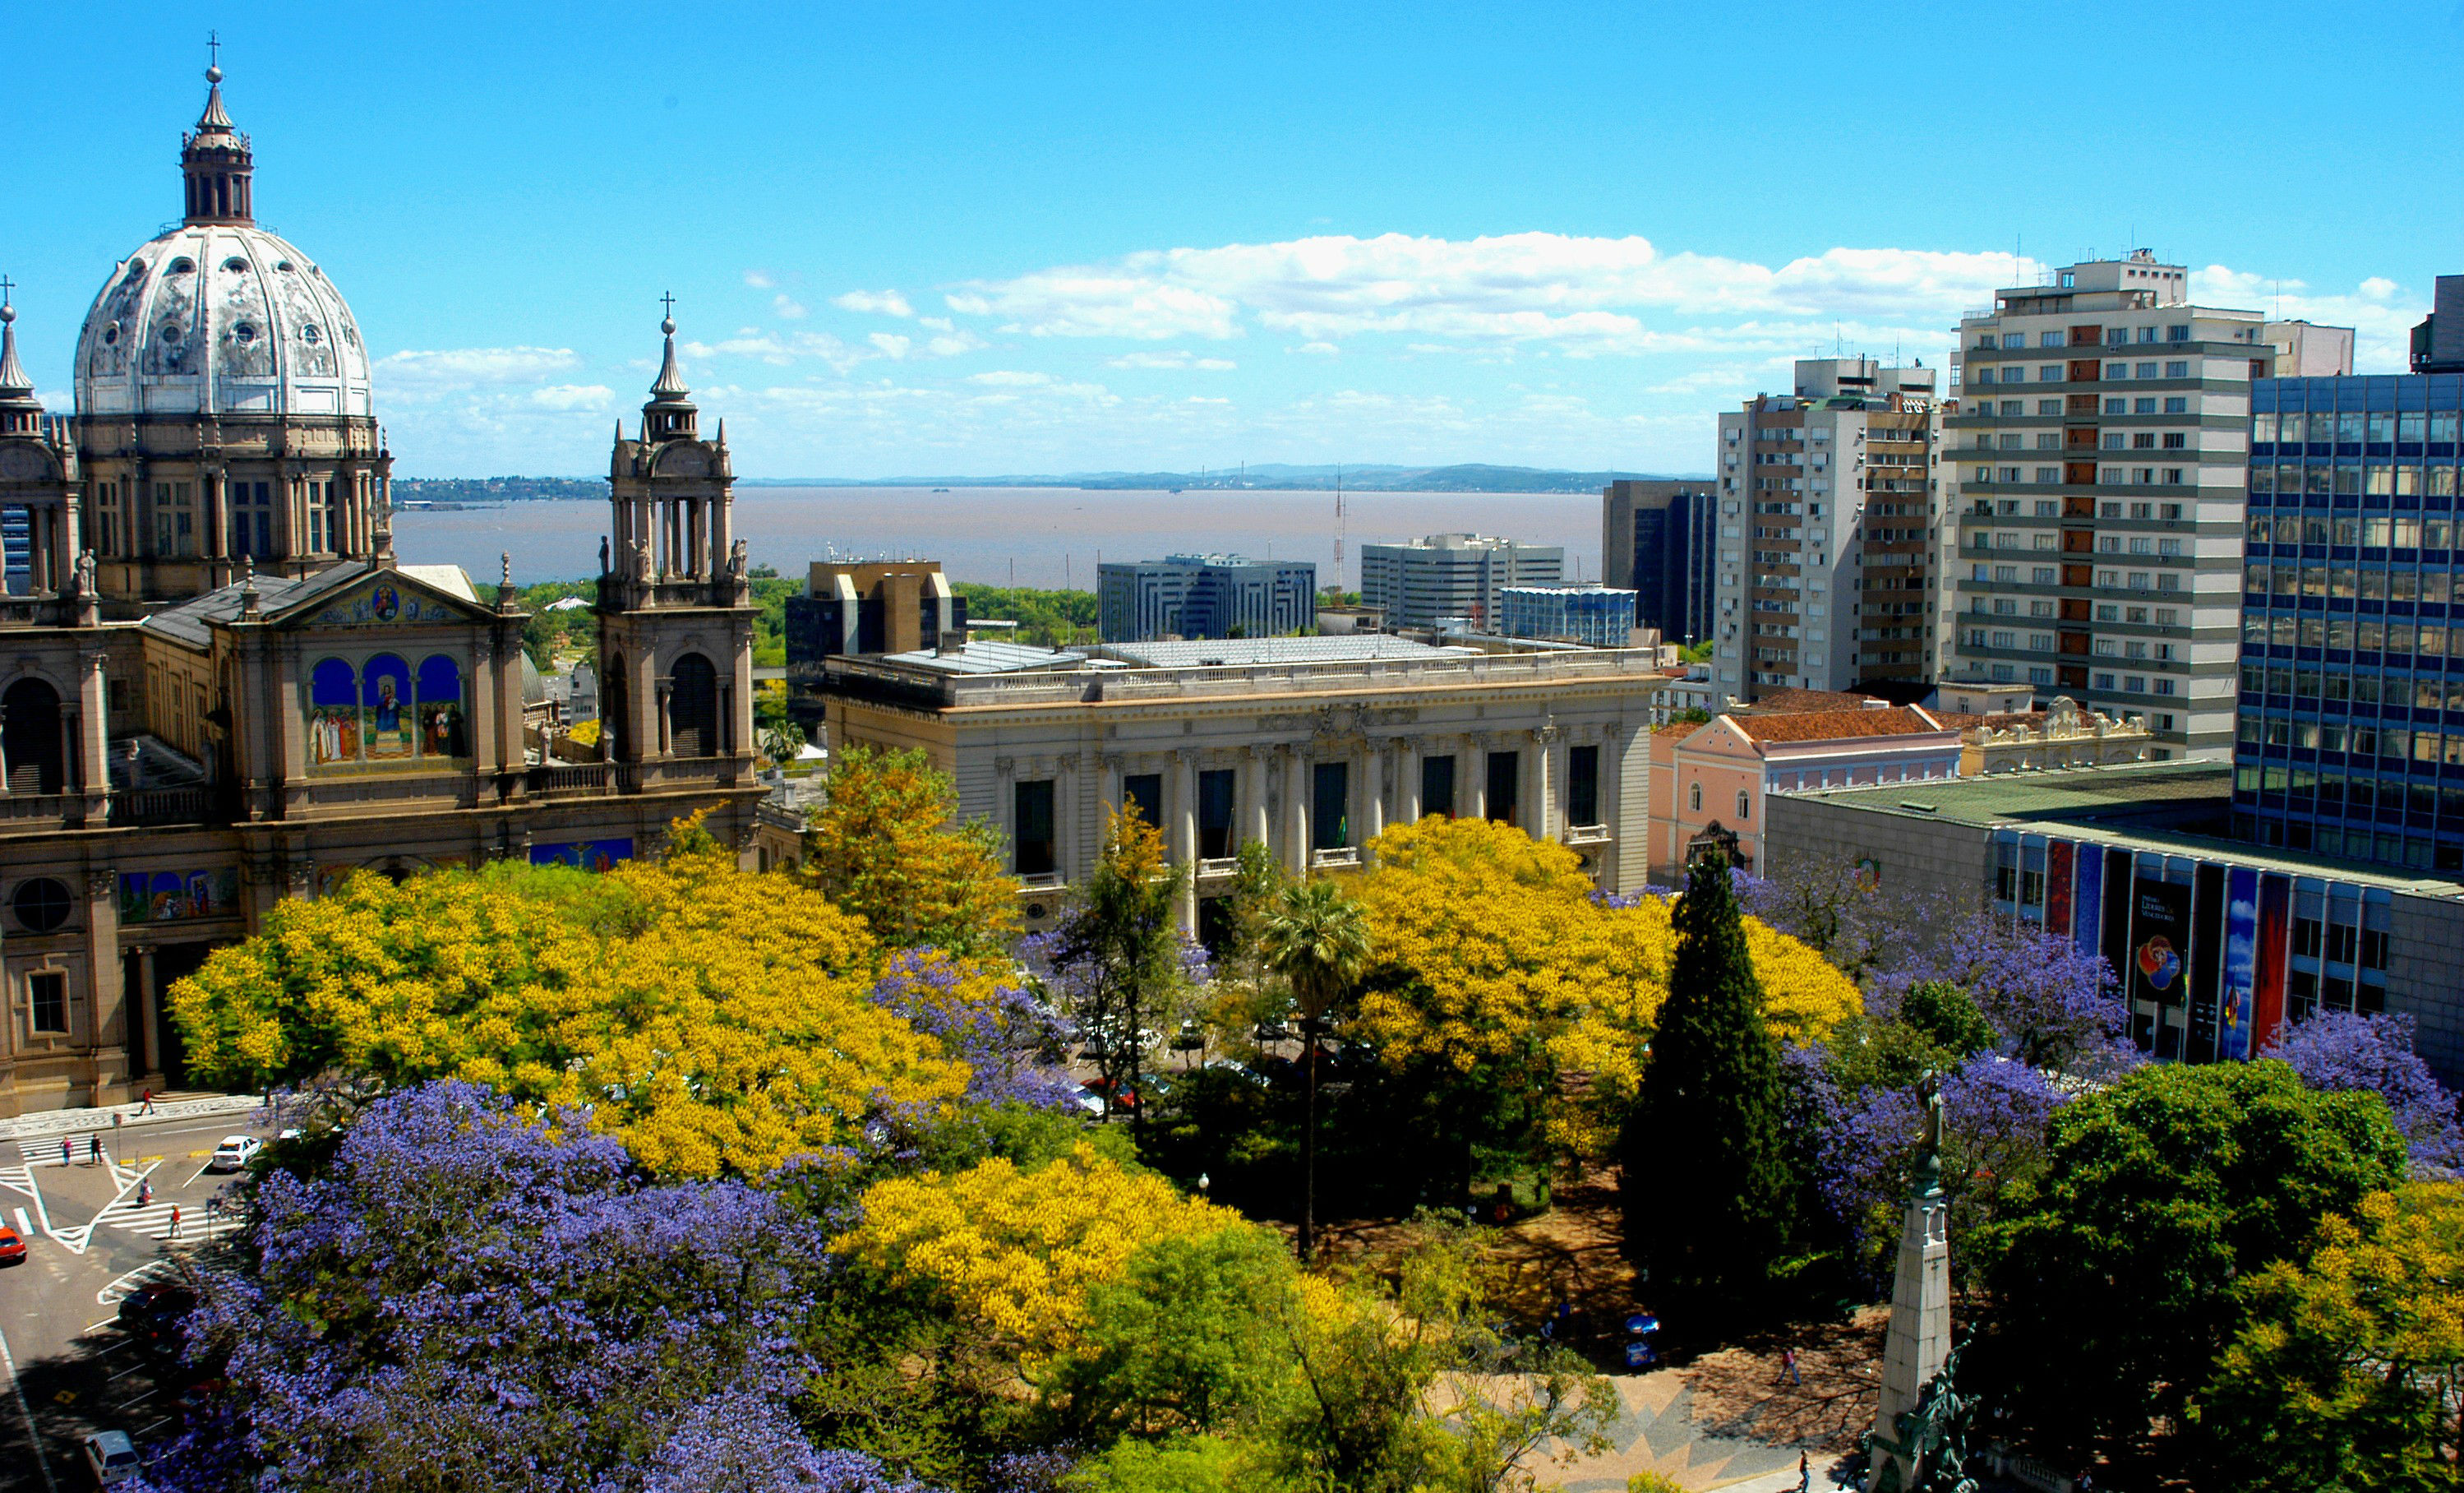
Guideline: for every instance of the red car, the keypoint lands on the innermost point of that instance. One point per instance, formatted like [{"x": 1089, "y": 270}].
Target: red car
[{"x": 13, "y": 1249}]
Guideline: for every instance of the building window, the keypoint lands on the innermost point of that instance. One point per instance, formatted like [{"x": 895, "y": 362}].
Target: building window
[
  {"x": 1142, "y": 792},
  {"x": 1505, "y": 773},
  {"x": 1694, "y": 799},
  {"x": 2177, "y": 404},
  {"x": 1216, "y": 795},
  {"x": 1438, "y": 786},
  {"x": 47, "y": 994},
  {"x": 1745, "y": 806},
  {"x": 1031, "y": 842},
  {"x": 1330, "y": 805},
  {"x": 1582, "y": 785}
]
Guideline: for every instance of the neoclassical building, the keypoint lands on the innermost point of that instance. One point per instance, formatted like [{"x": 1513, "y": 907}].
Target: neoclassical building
[{"x": 220, "y": 688}]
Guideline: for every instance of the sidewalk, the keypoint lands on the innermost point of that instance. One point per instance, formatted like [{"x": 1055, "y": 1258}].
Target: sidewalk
[{"x": 63, "y": 1122}]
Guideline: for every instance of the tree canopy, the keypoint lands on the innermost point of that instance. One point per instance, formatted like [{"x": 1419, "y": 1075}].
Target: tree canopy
[
  {"x": 889, "y": 849},
  {"x": 716, "y": 1020}
]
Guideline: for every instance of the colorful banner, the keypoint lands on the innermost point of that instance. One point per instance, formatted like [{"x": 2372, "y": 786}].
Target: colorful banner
[
  {"x": 2267, "y": 1002},
  {"x": 176, "y": 895},
  {"x": 587, "y": 855},
  {"x": 2160, "y": 942},
  {"x": 2090, "y": 899},
  {"x": 2241, "y": 963},
  {"x": 2058, "y": 888}
]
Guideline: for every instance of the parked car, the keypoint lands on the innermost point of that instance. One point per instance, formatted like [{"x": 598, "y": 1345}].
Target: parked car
[
  {"x": 111, "y": 1456},
  {"x": 152, "y": 1312},
  {"x": 234, "y": 1152},
  {"x": 13, "y": 1249}
]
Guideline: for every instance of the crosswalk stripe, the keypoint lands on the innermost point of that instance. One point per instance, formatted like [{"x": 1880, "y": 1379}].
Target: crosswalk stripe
[{"x": 154, "y": 1222}]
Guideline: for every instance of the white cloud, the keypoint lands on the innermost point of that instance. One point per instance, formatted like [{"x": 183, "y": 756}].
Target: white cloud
[
  {"x": 786, "y": 305},
  {"x": 777, "y": 350},
  {"x": 1176, "y": 359},
  {"x": 949, "y": 344},
  {"x": 882, "y": 302},
  {"x": 1319, "y": 349},
  {"x": 1583, "y": 295},
  {"x": 758, "y": 280},
  {"x": 1009, "y": 378},
  {"x": 573, "y": 396},
  {"x": 939, "y": 324},
  {"x": 2379, "y": 311},
  {"x": 448, "y": 367},
  {"x": 893, "y": 345}
]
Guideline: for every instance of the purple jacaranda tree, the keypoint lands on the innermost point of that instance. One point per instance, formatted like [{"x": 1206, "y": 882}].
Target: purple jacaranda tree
[
  {"x": 2341, "y": 1050},
  {"x": 1002, "y": 1029},
  {"x": 746, "y": 1443},
  {"x": 2056, "y": 1006},
  {"x": 472, "y": 1295}
]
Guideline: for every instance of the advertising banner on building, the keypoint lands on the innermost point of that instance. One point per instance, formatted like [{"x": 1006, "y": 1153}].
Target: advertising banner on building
[
  {"x": 2058, "y": 888},
  {"x": 2088, "y": 898},
  {"x": 2241, "y": 963},
  {"x": 2160, "y": 942},
  {"x": 2267, "y": 1001}
]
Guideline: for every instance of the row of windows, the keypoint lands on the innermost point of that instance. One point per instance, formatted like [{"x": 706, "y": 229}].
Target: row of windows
[
  {"x": 2348, "y": 582},
  {"x": 2105, "y": 610},
  {"x": 2286, "y": 682},
  {"x": 2330, "y": 793},
  {"x": 2054, "y": 440},
  {"x": 2106, "y": 477},
  {"x": 2375, "y": 531},
  {"x": 2354, "y": 843},
  {"x": 2350, "y": 427},
  {"x": 2355, "y": 481},
  {"x": 2059, "y": 372},
  {"x": 2106, "y": 580},
  {"x": 2114, "y": 337},
  {"x": 2396, "y": 744},
  {"x": 2347, "y": 634}
]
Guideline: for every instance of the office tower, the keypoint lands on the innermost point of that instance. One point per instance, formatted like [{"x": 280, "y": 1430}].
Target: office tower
[
  {"x": 2439, "y": 341},
  {"x": 2097, "y": 461},
  {"x": 1597, "y": 617},
  {"x": 2350, "y": 735},
  {"x": 1657, "y": 540},
  {"x": 1453, "y": 577},
  {"x": 1825, "y": 562},
  {"x": 1204, "y": 596},
  {"x": 863, "y": 607}
]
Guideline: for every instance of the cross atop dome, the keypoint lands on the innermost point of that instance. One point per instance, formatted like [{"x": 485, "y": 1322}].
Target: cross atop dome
[
  {"x": 669, "y": 414},
  {"x": 15, "y": 388},
  {"x": 215, "y": 158}
]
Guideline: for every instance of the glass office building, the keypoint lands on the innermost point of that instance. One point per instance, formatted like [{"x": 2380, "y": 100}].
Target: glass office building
[{"x": 2349, "y": 739}]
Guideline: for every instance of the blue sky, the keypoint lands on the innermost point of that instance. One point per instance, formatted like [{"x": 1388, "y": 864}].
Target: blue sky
[{"x": 952, "y": 238}]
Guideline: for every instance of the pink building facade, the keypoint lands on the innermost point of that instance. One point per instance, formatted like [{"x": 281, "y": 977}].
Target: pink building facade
[{"x": 1711, "y": 780}]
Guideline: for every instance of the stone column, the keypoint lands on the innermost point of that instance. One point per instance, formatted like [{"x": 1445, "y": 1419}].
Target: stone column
[
  {"x": 1407, "y": 780},
  {"x": 1919, "y": 1338},
  {"x": 93, "y": 743},
  {"x": 1257, "y": 821},
  {"x": 144, "y": 1015},
  {"x": 1068, "y": 853},
  {"x": 1369, "y": 767},
  {"x": 1184, "y": 833},
  {"x": 1471, "y": 778},
  {"x": 106, "y": 987},
  {"x": 1300, "y": 785},
  {"x": 1005, "y": 807}
]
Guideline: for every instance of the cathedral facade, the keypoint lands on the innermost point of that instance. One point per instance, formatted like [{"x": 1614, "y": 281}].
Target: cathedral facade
[{"x": 218, "y": 686}]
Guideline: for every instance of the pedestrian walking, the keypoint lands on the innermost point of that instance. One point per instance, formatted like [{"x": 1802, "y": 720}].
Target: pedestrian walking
[
  {"x": 1788, "y": 1361},
  {"x": 175, "y": 1221},
  {"x": 64, "y": 1150},
  {"x": 1804, "y": 1473},
  {"x": 144, "y": 1194},
  {"x": 94, "y": 1146},
  {"x": 146, "y": 1103}
]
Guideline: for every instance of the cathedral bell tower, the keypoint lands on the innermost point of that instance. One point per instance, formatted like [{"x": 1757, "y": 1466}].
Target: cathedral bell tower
[{"x": 675, "y": 607}]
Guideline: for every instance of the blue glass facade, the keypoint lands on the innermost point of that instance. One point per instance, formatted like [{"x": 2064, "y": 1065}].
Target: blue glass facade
[{"x": 2349, "y": 739}]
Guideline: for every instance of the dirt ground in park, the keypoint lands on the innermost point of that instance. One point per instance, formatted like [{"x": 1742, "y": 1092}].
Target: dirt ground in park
[{"x": 1724, "y": 1416}]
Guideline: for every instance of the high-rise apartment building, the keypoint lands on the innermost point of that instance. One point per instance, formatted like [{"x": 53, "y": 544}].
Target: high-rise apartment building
[
  {"x": 1453, "y": 576},
  {"x": 1658, "y": 539},
  {"x": 2095, "y": 462},
  {"x": 1826, "y": 560},
  {"x": 2350, "y": 737},
  {"x": 1204, "y": 596}
]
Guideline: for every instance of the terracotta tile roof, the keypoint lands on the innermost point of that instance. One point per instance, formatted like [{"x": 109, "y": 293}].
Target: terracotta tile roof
[
  {"x": 1838, "y": 725},
  {"x": 1789, "y": 701}
]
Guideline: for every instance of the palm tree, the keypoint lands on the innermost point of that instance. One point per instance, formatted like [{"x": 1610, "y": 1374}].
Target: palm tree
[{"x": 1314, "y": 937}]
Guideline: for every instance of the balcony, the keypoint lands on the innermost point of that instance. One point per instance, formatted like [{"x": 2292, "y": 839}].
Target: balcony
[
  {"x": 41, "y": 810},
  {"x": 1042, "y": 882},
  {"x": 1212, "y": 867},
  {"x": 568, "y": 780},
  {"x": 192, "y": 804},
  {"x": 1335, "y": 857},
  {"x": 1587, "y": 835}
]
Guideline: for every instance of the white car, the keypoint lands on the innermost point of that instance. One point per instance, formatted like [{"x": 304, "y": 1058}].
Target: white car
[
  {"x": 111, "y": 1456},
  {"x": 234, "y": 1152}
]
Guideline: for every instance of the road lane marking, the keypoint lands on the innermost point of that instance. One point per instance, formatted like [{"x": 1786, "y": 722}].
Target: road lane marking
[
  {"x": 33, "y": 1437},
  {"x": 200, "y": 1171},
  {"x": 25, "y": 1225}
]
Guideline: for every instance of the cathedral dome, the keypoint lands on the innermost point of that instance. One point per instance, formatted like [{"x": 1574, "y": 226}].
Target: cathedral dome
[
  {"x": 221, "y": 318},
  {"x": 216, "y": 316}
]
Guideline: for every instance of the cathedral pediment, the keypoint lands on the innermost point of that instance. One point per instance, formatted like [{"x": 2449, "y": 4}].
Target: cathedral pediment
[{"x": 384, "y": 598}]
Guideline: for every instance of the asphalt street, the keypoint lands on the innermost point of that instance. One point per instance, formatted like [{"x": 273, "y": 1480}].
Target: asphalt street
[{"x": 89, "y": 1239}]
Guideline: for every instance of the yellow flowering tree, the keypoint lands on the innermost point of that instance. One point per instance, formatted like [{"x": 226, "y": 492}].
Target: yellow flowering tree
[
  {"x": 1499, "y": 971},
  {"x": 890, "y": 850},
  {"x": 718, "y": 1021},
  {"x": 1015, "y": 1252}
]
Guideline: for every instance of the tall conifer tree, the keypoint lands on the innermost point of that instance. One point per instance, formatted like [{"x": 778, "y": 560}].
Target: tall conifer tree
[{"x": 1706, "y": 1172}]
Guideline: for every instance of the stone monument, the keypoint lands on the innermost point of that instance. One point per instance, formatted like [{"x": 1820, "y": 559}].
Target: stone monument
[{"x": 1919, "y": 1340}]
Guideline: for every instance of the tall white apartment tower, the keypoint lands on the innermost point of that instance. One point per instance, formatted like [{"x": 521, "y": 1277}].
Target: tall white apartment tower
[
  {"x": 2097, "y": 457},
  {"x": 1828, "y": 552}
]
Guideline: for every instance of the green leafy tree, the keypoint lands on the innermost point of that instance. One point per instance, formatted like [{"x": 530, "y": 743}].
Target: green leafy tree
[
  {"x": 2348, "y": 1371},
  {"x": 889, "y": 849},
  {"x": 1317, "y": 939},
  {"x": 1947, "y": 1016},
  {"x": 1707, "y": 1182},
  {"x": 1117, "y": 954},
  {"x": 2113, "y": 1282},
  {"x": 1179, "y": 1342}
]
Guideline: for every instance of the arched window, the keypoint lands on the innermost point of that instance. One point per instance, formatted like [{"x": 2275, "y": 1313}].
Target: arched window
[
  {"x": 693, "y": 707},
  {"x": 332, "y": 713},
  {"x": 29, "y": 739},
  {"x": 385, "y": 710},
  {"x": 442, "y": 732},
  {"x": 1697, "y": 804},
  {"x": 1745, "y": 806}
]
